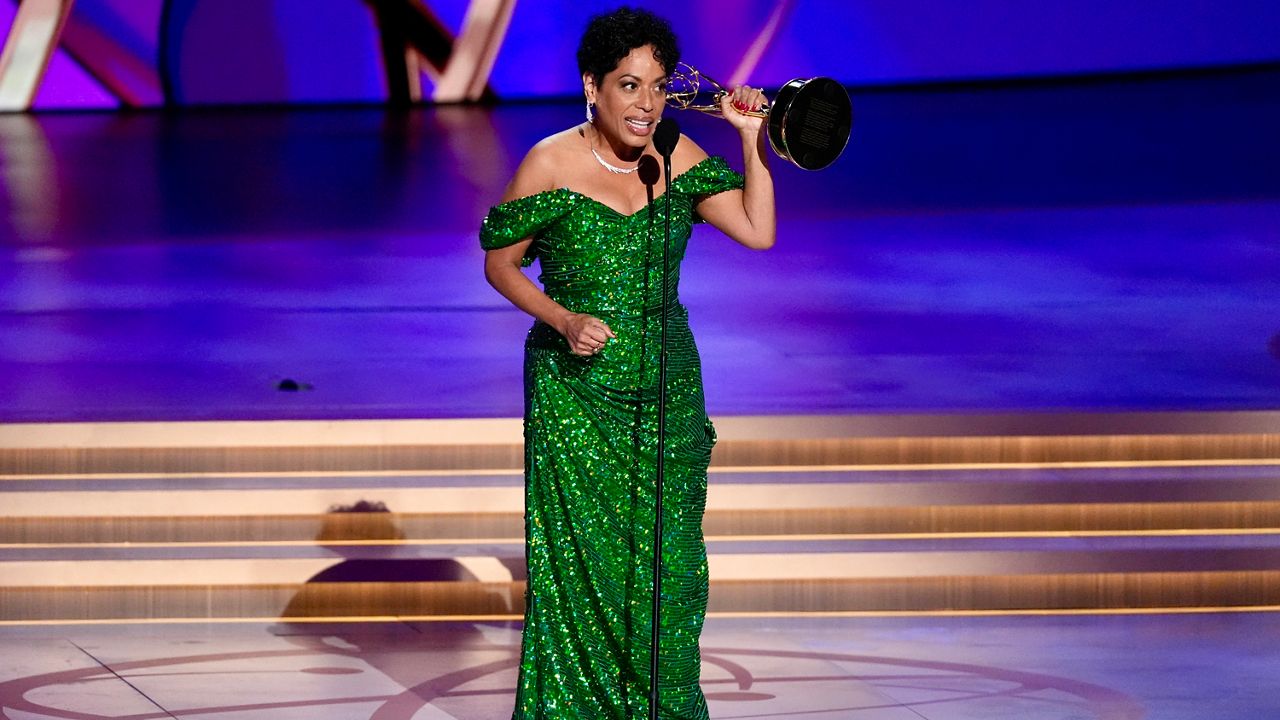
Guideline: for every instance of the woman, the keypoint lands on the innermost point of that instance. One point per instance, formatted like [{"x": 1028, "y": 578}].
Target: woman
[{"x": 578, "y": 204}]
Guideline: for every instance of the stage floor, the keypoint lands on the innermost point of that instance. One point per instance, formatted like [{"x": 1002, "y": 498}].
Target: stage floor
[
  {"x": 1010, "y": 257},
  {"x": 1108, "y": 245},
  {"x": 1087, "y": 667}
]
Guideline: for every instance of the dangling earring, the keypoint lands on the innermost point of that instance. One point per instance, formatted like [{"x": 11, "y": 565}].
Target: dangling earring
[{"x": 590, "y": 116}]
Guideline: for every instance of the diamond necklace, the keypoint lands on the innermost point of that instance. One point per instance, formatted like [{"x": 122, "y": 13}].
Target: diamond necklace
[{"x": 611, "y": 168}]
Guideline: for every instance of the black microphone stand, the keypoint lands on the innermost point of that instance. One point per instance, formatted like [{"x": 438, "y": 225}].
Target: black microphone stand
[{"x": 665, "y": 137}]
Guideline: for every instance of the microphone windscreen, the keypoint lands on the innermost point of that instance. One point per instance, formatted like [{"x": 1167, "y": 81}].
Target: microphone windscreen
[
  {"x": 650, "y": 170},
  {"x": 665, "y": 137}
]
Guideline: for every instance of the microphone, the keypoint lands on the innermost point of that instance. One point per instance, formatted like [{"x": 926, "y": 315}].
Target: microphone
[
  {"x": 665, "y": 137},
  {"x": 650, "y": 170}
]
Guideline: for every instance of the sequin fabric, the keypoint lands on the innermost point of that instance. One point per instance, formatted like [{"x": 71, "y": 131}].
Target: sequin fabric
[{"x": 590, "y": 460}]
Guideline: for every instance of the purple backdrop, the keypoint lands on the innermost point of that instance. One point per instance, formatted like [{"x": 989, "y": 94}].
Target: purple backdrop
[{"x": 316, "y": 51}]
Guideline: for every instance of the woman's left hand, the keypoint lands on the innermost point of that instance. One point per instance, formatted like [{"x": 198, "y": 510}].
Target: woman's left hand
[{"x": 741, "y": 100}]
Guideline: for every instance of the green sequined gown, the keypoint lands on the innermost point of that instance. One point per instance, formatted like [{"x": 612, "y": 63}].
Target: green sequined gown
[{"x": 590, "y": 451}]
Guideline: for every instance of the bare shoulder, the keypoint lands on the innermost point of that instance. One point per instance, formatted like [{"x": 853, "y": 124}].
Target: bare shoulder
[
  {"x": 687, "y": 154},
  {"x": 542, "y": 165}
]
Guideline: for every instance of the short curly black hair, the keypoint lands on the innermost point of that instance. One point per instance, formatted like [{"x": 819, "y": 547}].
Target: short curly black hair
[{"x": 611, "y": 36}]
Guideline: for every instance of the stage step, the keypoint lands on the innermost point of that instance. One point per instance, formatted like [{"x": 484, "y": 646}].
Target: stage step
[
  {"x": 781, "y": 501},
  {"x": 794, "y": 524},
  {"x": 405, "y": 446},
  {"x": 760, "y": 575}
]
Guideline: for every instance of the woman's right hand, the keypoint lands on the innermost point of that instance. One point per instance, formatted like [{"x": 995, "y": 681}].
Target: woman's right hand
[{"x": 586, "y": 334}]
